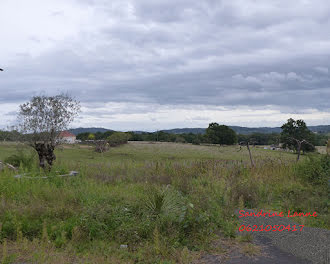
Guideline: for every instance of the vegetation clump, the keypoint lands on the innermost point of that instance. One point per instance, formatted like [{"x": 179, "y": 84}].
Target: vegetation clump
[
  {"x": 22, "y": 159},
  {"x": 118, "y": 138},
  {"x": 221, "y": 134}
]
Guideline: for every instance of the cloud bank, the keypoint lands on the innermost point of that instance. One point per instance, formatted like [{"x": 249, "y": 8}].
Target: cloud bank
[{"x": 146, "y": 64}]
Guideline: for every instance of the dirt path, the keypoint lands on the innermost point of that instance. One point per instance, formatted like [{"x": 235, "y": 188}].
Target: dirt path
[{"x": 310, "y": 245}]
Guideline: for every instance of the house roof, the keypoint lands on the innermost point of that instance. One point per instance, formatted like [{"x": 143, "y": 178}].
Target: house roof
[{"x": 66, "y": 134}]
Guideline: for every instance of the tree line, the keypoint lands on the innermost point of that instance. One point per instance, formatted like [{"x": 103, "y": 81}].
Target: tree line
[{"x": 215, "y": 134}]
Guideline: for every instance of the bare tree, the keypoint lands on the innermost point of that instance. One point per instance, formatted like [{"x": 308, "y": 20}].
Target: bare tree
[
  {"x": 300, "y": 143},
  {"x": 42, "y": 119},
  {"x": 101, "y": 146},
  {"x": 247, "y": 144}
]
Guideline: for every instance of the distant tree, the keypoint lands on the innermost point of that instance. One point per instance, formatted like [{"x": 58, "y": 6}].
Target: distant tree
[
  {"x": 328, "y": 147},
  {"x": 221, "y": 134},
  {"x": 118, "y": 138},
  {"x": 295, "y": 135},
  {"x": 42, "y": 119},
  {"x": 98, "y": 135},
  {"x": 83, "y": 136},
  {"x": 320, "y": 139},
  {"x": 107, "y": 134},
  {"x": 136, "y": 136},
  {"x": 9, "y": 135},
  {"x": 260, "y": 138},
  {"x": 91, "y": 136},
  {"x": 179, "y": 139}
]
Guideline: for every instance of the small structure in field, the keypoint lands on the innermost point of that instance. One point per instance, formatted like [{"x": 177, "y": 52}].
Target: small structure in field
[{"x": 67, "y": 137}]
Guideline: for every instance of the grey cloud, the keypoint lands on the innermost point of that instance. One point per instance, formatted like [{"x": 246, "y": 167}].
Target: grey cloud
[
  {"x": 324, "y": 70},
  {"x": 181, "y": 52}
]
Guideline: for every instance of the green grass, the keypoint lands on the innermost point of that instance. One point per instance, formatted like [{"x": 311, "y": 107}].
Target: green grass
[{"x": 167, "y": 202}]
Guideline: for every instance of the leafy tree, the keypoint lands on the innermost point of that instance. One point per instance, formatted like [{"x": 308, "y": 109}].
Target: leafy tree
[
  {"x": 42, "y": 119},
  {"x": 83, "y": 136},
  {"x": 96, "y": 136},
  {"x": 107, "y": 134},
  {"x": 118, "y": 138},
  {"x": 295, "y": 135},
  {"x": 91, "y": 136},
  {"x": 136, "y": 136},
  {"x": 221, "y": 134}
]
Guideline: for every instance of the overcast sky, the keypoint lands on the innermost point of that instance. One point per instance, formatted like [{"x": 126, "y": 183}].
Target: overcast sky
[{"x": 157, "y": 64}]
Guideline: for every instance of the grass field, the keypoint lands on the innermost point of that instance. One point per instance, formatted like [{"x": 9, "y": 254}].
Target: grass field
[{"x": 148, "y": 202}]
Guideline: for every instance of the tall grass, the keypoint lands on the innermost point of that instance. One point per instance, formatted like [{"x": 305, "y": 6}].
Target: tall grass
[{"x": 165, "y": 202}]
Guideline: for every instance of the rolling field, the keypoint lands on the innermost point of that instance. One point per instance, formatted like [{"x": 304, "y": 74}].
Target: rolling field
[{"x": 148, "y": 202}]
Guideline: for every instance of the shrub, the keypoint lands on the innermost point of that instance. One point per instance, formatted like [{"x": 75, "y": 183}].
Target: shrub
[
  {"x": 118, "y": 138},
  {"x": 101, "y": 146},
  {"x": 315, "y": 170},
  {"x": 166, "y": 203}
]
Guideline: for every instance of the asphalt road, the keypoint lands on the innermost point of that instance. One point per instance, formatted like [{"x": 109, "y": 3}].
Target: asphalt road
[{"x": 310, "y": 245}]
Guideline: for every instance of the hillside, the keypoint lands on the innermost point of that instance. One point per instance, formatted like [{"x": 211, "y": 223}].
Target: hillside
[{"x": 80, "y": 130}]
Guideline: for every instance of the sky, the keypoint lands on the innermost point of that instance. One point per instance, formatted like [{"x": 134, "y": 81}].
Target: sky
[{"x": 150, "y": 65}]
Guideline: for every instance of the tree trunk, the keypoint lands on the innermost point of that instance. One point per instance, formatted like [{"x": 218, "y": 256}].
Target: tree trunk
[
  {"x": 50, "y": 157},
  {"x": 46, "y": 153},
  {"x": 299, "y": 148}
]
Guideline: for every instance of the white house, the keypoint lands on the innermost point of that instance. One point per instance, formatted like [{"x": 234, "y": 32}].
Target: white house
[{"x": 67, "y": 137}]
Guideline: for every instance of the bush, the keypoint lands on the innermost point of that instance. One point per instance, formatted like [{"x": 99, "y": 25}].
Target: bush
[
  {"x": 315, "y": 170},
  {"x": 101, "y": 146},
  {"x": 118, "y": 138},
  {"x": 166, "y": 203},
  {"x": 25, "y": 160}
]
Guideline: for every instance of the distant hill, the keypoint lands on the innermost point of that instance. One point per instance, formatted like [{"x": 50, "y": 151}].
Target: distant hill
[
  {"x": 139, "y": 132},
  {"x": 320, "y": 129},
  {"x": 185, "y": 130},
  {"x": 239, "y": 130},
  {"x": 80, "y": 130}
]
